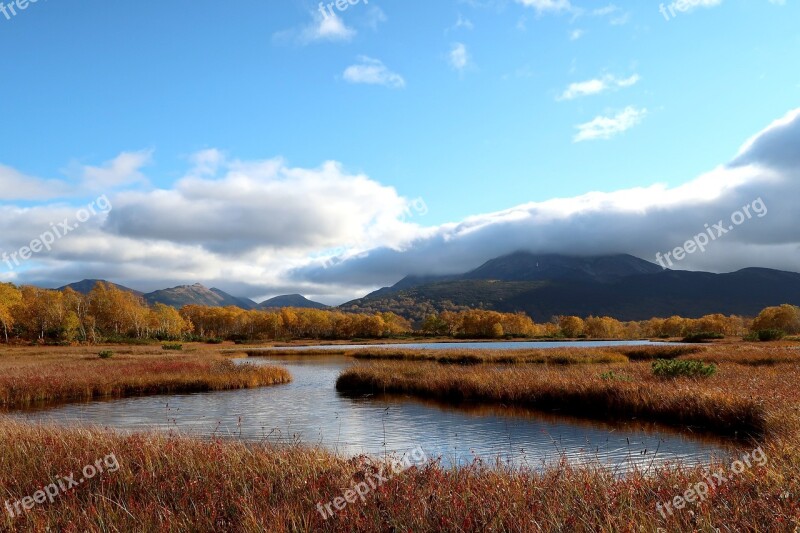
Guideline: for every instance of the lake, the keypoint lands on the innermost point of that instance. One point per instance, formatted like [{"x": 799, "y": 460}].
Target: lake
[{"x": 310, "y": 411}]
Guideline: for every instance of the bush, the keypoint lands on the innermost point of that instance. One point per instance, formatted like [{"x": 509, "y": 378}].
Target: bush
[
  {"x": 106, "y": 354},
  {"x": 703, "y": 336},
  {"x": 675, "y": 368},
  {"x": 766, "y": 335},
  {"x": 172, "y": 346},
  {"x": 214, "y": 341}
]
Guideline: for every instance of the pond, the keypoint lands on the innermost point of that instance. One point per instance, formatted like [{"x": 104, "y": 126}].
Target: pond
[{"x": 310, "y": 411}]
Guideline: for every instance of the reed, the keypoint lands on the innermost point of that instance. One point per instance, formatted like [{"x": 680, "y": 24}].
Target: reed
[
  {"x": 170, "y": 483},
  {"x": 47, "y": 377}
]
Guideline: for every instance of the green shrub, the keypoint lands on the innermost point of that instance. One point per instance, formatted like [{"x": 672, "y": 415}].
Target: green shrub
[
  {"x": 703, "y": 336},
  {"x": 214, "y": 341},
  {"x": 766, "y": 335},
  {"x": 613, "y": 376},
  {"x": 172, "y": 346},
  {"x": 675, "y": 368},
  {"x": 106, "y": 354}
]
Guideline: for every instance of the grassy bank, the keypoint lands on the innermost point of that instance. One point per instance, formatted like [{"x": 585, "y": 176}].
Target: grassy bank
[
  {"x": 751, "y": 394},
  {"x": 631, "y": 393},
  {"x": 175, "y": 484},
  {"x": 56, "y": 375},
  {"x": 472, "y": 356}
]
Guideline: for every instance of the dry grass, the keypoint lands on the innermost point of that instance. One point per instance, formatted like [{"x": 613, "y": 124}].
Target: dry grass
[
  {"x": 37, "y": 376},
  {"x": 173, "y": 484},
  {"x": 712, "y": 404}
]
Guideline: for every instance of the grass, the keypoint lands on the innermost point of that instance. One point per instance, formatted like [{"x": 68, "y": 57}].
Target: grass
[
  {"x": 573, "y": 390},
  {"x": 58, "y": 375},
  {"x": 665, "y": 368},
  {"x": 466, "y": 356},
  {"x": 169, "y": 483}
]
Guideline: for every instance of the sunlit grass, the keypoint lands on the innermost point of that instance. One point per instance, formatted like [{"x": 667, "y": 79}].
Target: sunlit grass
[{"x": 39, "y": 376}]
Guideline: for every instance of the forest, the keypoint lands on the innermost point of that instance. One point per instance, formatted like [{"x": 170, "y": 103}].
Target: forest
[{"x": 108, "y": 314}]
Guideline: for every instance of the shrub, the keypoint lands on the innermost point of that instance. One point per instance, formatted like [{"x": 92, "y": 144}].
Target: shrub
[
  {"x": 214, "y": 341},
  {"x": 703, "y": 336},
  {"x": 106, "y": 354},
  {"x": 613, "y": 376},
  {"x": 172, "y": 346},
  {"x": 766, "y": 335},
  {"x": 674, "y": 368}
]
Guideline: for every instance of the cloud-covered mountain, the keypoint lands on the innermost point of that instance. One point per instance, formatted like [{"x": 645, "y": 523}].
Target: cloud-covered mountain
[{"x": 261, "y": 228}]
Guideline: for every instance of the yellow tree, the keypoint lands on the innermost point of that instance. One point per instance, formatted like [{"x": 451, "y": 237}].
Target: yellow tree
[{"x": 10, "y": 297}]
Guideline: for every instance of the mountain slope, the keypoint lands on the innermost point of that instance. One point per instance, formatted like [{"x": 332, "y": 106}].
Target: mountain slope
[
  {"x": 291, "y": 300},
  {"x": 621, "y": 286},
  {"x": 86, "y": 286},
  {"x": 197, "y": 294}
]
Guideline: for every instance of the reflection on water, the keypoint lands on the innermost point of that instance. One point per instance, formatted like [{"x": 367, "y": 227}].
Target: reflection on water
[
  {"x": 310, "y": 411},
  {"x": 491, "y": 345}
]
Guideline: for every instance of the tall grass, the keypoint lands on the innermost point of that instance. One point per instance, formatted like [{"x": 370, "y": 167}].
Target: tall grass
[
  {"x": 576, "y": 390},
  {"x": 30, "y": 380},
  {"x": 168, "y": 483}
]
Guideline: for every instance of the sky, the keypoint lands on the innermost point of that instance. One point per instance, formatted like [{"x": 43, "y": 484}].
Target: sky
[{"x": 287, "y": 146}]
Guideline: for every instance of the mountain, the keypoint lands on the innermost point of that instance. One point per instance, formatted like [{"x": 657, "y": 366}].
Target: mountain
[
  {"x": 197, "y": 294},
  {"x": 86, "y": 286},
  {"x": 291, "y": 300},
  {"x": 621, "y": 286}
]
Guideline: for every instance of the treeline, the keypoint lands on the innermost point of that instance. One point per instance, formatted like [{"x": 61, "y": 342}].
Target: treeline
[
  {"x": 783, "y": 320},
  {"x": 108, "y": 313}
]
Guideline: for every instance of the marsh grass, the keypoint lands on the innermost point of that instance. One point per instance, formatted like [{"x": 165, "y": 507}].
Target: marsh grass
[
  {"x": 712, "y": 404},
  {"x": 170, "y": 483},
  {"x": 47, "y": 377}
]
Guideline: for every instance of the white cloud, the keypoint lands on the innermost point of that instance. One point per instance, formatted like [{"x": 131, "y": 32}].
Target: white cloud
[
  {"x": 603, "y": 127},
  {"x": 14, "y": 185},
  {"x": 640, "y": 221},
  {"x": 122, "y": 170},
  {"x": 597, "y": 86},
  {"x": 547, "y": 5},
  {"x": 329, "y": 27},
  {"x": 574, "y": 35},
  {"x": 459, "y": 57},
  {"x": 258, "y": 227},
  {"x": 374, "y": 72}
]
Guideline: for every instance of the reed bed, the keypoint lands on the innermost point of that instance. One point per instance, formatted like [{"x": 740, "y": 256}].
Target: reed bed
[
  {"x": 720, "y": 404},
  {"x": 169, "y": 483},
  {"x": 47, "y": 377}
]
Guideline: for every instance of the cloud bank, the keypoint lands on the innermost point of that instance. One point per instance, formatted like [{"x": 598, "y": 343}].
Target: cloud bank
[{"x": 261, "y": 228}]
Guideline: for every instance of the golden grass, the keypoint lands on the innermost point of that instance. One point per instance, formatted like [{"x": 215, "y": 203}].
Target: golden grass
[
  {"x": 168, "y": 483},
  {"x": 711, "y": 404},
  {"x": 56, "y": 375}
]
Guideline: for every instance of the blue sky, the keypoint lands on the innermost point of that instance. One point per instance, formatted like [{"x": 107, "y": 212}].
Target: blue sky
[{"x": 474, "y": 106}]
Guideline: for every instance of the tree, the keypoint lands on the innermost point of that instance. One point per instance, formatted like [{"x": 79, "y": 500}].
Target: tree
[
  {"x": 571, "y": 326},
  {"x": 10, "y": 297},
  {"x": 785, "y": 318}
]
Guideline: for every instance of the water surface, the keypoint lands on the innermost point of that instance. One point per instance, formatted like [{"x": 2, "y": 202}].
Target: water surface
[{"x": 309, "y": 410}]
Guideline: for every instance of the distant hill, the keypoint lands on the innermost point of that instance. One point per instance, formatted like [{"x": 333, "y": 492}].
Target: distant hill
[
  {"x": 86, "y": 286},
  {"x": 291, "y": 300},
  {"x": 621, "y": 286},
  {"x": 197, "y": 294}
]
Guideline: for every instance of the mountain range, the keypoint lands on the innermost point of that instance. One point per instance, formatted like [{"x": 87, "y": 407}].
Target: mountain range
[
  {"x": 198, "y": 294},
  {"x": 622, "y": 286}
]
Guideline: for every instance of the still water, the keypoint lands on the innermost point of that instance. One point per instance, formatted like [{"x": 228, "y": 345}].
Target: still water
[{"x": 309, "y": 410}]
